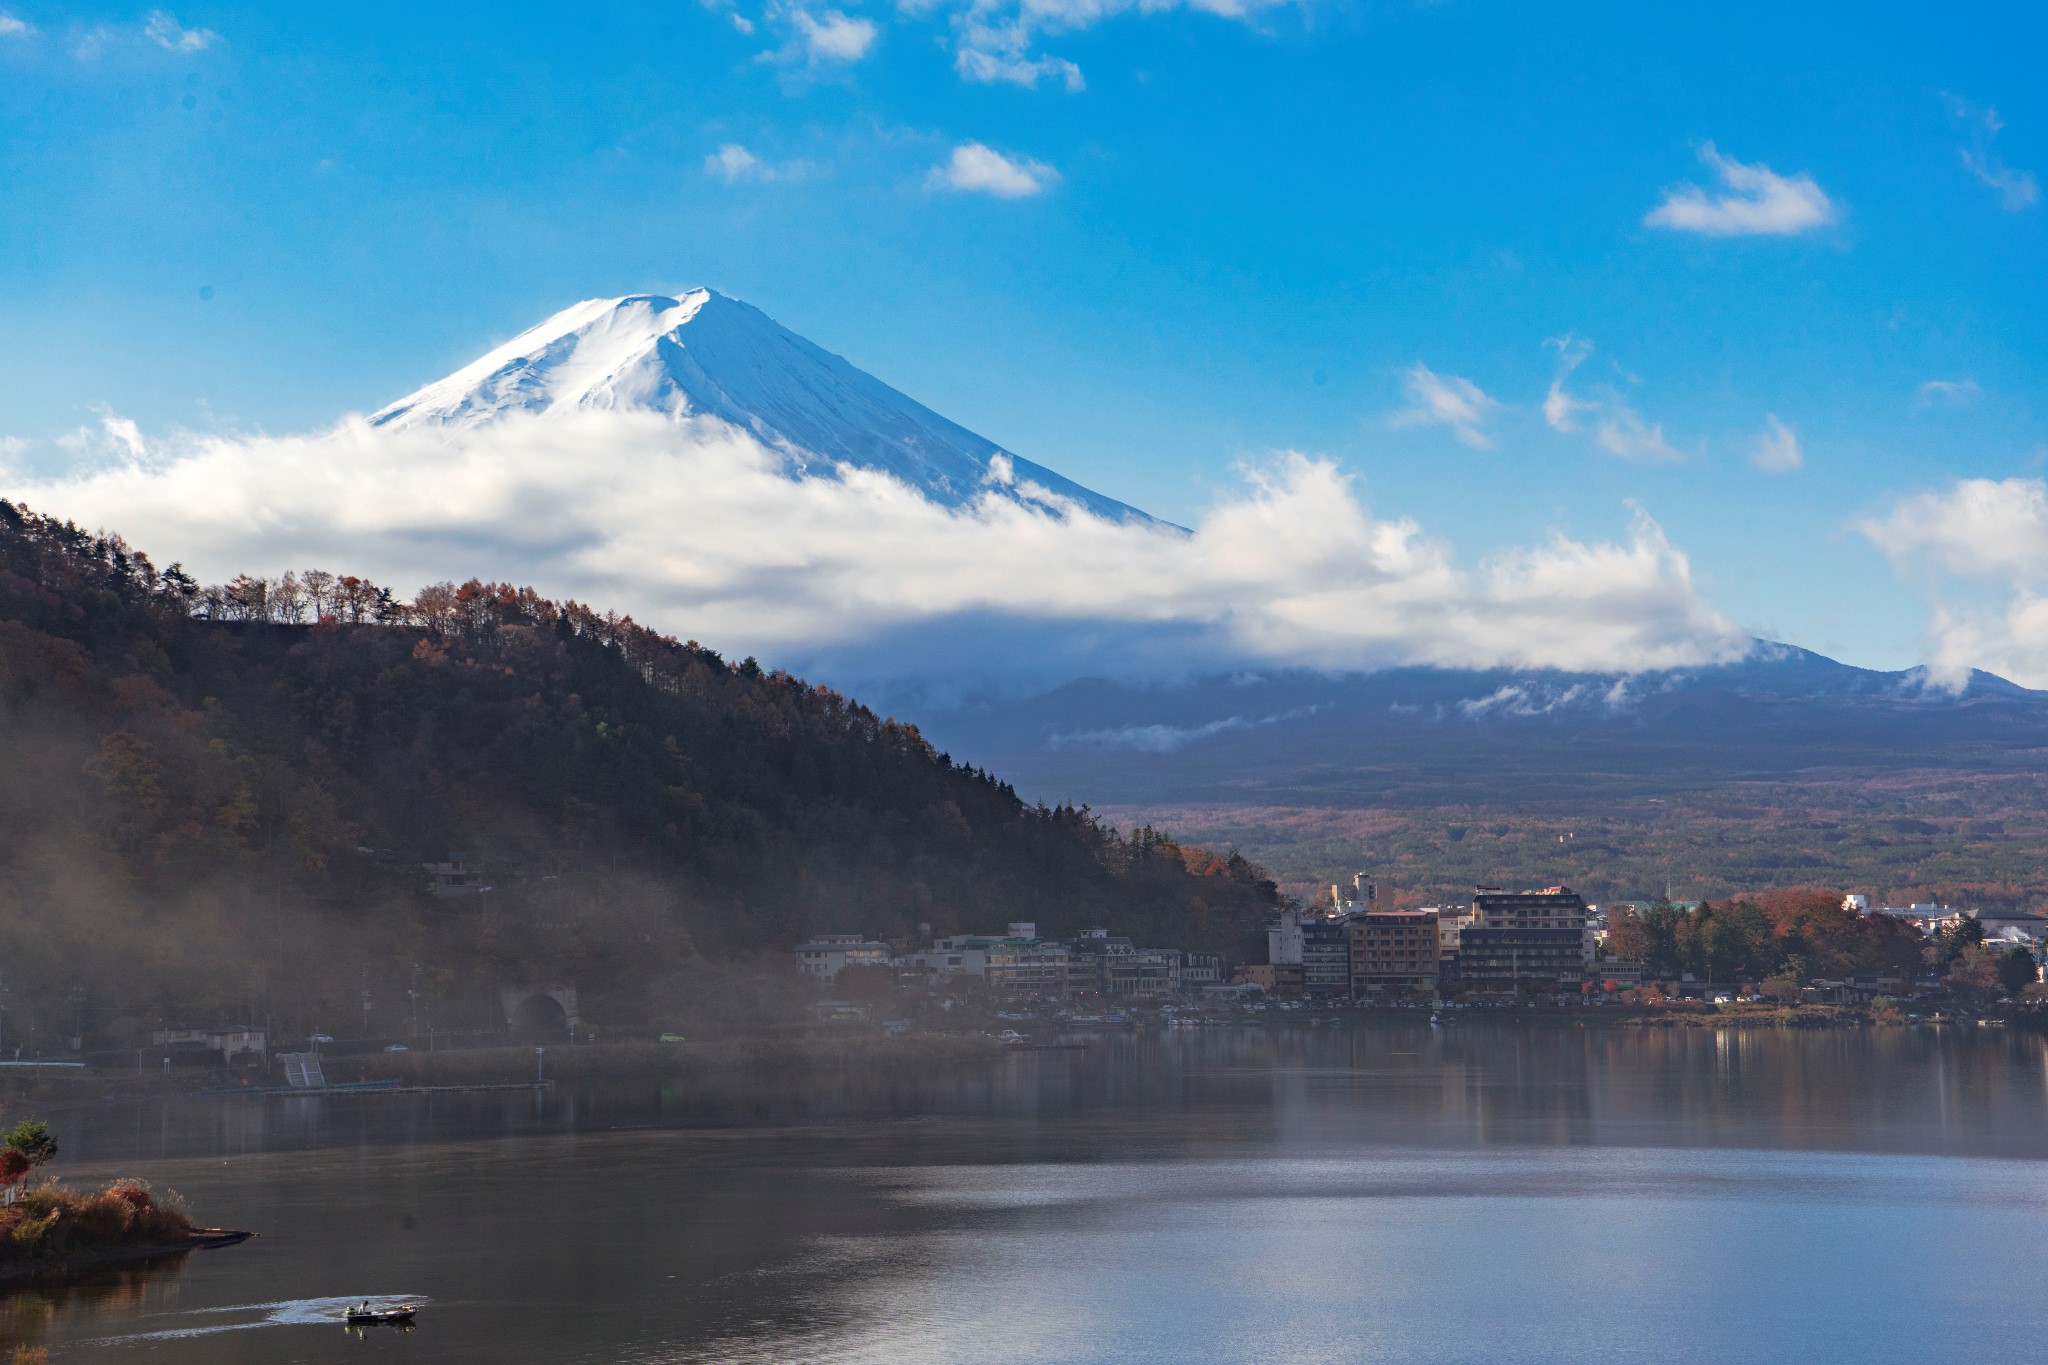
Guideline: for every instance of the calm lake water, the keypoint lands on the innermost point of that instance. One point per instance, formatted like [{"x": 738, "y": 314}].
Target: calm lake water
[{"x": 1383, "y": 1194}]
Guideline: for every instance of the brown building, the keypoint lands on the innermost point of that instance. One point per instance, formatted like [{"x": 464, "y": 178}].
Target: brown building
[{"x": 1393, "y": 954}]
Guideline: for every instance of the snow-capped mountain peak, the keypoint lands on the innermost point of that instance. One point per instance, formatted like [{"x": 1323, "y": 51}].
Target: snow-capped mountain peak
[{"x": 703, "y": 354}]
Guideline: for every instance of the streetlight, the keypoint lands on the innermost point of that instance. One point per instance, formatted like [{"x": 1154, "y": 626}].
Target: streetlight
[{"x": 540, "y": 1062}]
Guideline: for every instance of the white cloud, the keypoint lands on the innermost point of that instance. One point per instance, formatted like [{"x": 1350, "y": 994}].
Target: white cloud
[
  {"x": 1560, "y": 409},
  {"x": 998, "y": 40},
  {"x": 1446, "y": 400},
  {"x": 1618, "y": 428},
  {"x": 1948, "y": 393},
  {"x": 166, "y": 32},
  {"x": 977, "y": 168},
  {"x": 1622, "y": 431},
  {"x": 696, "y": 527},
  {"x": 1754, "y": 201},
  {"x": 1980, "y": 527},
  {"x": 1777, "y": 448},
  {"x": 2017, "y": 189},
  {"x": 733, "y": 163},
  {"x": 836, "y": 37},
  {"x": 989, "y": 68},
  {"x": 11, "y": 27},
  {"x": 1983, "y": 532}
]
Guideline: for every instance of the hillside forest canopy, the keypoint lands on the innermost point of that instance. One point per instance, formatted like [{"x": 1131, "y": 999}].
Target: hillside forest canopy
[{"x": 218, "y": 802}]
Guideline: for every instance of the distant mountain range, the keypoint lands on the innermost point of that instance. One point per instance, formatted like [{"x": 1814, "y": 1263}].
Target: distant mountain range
[
  {"x": 1421, "y": 736},
  {"x": 703, "y": 354}
]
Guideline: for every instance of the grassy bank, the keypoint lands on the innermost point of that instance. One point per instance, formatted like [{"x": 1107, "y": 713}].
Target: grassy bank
[{"x": 49, "y": 1225}]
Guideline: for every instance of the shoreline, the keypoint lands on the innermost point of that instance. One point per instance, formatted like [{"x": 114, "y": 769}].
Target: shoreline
[
  {"x": 61, "y": 1268},
  {"x": 873, "y": 1057}
]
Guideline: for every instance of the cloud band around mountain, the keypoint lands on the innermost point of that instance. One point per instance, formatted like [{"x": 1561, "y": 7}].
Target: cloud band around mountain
[{"x": 698, "y": 528}]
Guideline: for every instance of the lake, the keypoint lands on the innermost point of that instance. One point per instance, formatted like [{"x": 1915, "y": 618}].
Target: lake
[{"x": 1382, "y": 1193}]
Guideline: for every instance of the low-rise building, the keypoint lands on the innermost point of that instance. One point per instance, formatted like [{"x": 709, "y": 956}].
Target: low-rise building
[
  {"x": 1617, "y": 974},
  {"x": 1199, "y": 971},
  {"x": 229, "y": 1040},
  {"x": 1022, "y": 962},
  {"x": 827, "y": 955},
  {"x": 1147, "y": 974},
  {"x": 1015, "y": 961},
  {"x": 1090, "y": 958},
  {"x": 455, "y": 876},
  {"x": 2014, "y": 926}
]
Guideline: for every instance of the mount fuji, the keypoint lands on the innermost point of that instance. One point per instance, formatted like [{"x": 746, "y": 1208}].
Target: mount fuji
[{"x": 702, "y": 354}]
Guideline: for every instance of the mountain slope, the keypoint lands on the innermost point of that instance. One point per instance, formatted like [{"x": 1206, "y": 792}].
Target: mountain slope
[
  {"x": 213, "y": 817},
  {"x": 703, "y": 354}
]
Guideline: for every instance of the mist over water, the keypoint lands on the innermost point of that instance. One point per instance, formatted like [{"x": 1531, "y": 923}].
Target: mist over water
[{"x": 1380, "y": 1193}]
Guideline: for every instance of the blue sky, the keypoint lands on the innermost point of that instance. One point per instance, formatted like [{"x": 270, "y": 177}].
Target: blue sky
[{"x": 1138, "y": 244}]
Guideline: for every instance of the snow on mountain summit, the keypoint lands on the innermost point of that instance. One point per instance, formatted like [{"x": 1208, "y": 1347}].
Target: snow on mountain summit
[{"x": 704, "y": 354}]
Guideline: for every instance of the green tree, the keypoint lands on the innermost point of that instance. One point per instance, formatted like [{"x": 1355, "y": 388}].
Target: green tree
[
  {"x": 31, "y": 1138},
  {"x": 2016, "y": 969},
  {"x": 1951, "y": 941}
]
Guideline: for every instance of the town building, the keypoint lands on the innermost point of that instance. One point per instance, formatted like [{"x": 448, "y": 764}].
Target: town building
[
  {"x": 1451, "y": 921},
  {"x": 1090, "y": 958},
  {"x": 1523, "y": 941},
  {"x": 1143, "y": 974},
  {"x": 1283, "y": 938},
  {"x": 1199, "y": 971},
  {"x": 2022, "y": 927},
  {"x": 1617, "y": 974},
  {"x": 456, "y": 876},
  {"x": 229, "y": 1040},
  {"x": 1021, "y": 962},
  {"x": 1016, "y": 961},
  {"x": 1362, "y": 894},
  {"x": 1275, "y": 978},
  {"x": 1326, "y": 956},
  {"x": 1394, "y": 954},
  {"x": 827, "y": 955}
]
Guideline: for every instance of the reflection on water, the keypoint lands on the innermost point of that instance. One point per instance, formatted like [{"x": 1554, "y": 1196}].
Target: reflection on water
[{"x": 1391, "y": 1193}]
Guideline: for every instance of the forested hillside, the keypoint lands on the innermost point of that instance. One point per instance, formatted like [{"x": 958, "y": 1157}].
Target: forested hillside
[{"x": 217, "y": 803}]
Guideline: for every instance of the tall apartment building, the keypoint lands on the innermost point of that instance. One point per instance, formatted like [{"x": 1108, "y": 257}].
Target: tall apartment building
[
  {"x": 1393, "y": 953},
  {"x": 1325, "y": 956},
  {"x": 1523, "y": 941},
  {"x": 1283, "y": 938}
]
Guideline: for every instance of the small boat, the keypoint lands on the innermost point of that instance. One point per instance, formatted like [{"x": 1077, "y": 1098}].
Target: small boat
[{"x": 365, "y": 1317}]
